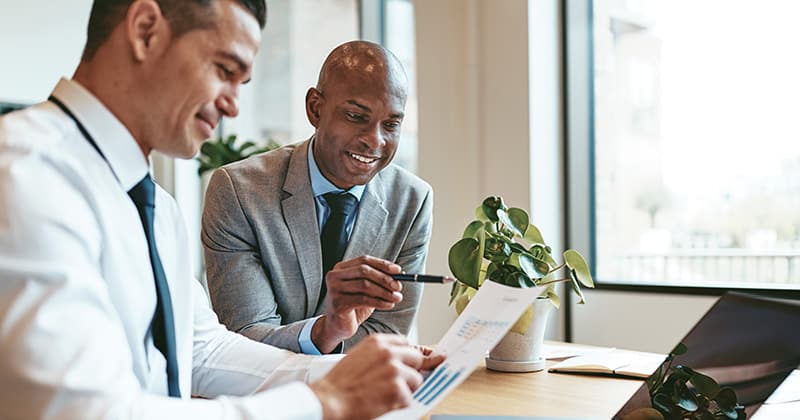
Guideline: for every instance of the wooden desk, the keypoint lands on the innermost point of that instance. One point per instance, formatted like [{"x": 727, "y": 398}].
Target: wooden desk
[{"x": 542, "y": 393}]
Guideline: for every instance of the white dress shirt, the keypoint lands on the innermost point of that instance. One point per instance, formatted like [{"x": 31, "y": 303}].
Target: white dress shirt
[{"x": 77, "y": 294}]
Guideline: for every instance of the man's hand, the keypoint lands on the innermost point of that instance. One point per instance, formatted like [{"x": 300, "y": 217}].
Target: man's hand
[
  {"x": 355, "y": 288},
  {"x": 380, "y": 374}
]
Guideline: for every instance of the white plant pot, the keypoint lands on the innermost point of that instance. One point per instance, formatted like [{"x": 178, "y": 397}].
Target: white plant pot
[{"x": 523, "y": 352}]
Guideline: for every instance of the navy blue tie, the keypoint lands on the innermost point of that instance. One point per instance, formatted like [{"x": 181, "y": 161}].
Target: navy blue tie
[
  {"x": 143, "y": 195},
  {"x": 334, "y": 233}
]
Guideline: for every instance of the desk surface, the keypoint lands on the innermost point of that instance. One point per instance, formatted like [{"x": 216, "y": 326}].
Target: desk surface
[{"x": 542, "y": 393}]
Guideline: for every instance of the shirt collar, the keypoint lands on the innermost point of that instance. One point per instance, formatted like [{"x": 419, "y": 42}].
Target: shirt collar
[
  {"x": 115, "y": 141},
  {"x": 320, "y": 185}
]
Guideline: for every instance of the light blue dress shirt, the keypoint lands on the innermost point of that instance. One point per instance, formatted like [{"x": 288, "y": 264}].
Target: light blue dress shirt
[{"x": 321, "y": 186}]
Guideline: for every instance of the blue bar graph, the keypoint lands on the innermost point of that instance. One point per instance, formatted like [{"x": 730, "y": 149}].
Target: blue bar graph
[
  {"x": 435, "y": 382},
  {"x": 429, "y": 381},
  {"x": 438, "y": 382},
  {"x": 444, "y": 387}
]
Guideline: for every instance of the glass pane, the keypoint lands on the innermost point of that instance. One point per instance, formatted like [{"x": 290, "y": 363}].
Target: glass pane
[
  {"x": 298, "y": 36},
  {"x": 399, "y": 38},
  {"x": 697, "y": 149}
]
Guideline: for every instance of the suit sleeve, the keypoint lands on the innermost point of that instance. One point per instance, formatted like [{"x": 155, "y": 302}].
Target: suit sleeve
[
  {"x": 238, "y": 283},
  {"x": 412, "y": 259}
]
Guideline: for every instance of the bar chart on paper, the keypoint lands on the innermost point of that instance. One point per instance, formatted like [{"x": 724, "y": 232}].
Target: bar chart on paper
[
  {"x": 443, "y": 378},
  {"x": 480, "y": 326}
]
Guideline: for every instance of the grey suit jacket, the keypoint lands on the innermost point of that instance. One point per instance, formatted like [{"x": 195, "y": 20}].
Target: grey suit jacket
[{"x": 262, "y": 244}]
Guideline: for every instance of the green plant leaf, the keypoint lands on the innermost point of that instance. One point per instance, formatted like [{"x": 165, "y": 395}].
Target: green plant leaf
[
  {"x": 532, "y": 235},
  {"x": 526, "y": 264},
  {"x": 472, "y": 229},
  {"x": 687, "y": 400},
  {"x": 726, "y": 400},
  {"x": 480, "y": 215},
  {"x": 576, "y": 288},
  {"x": 497, "y": 249},
  {"x": 679, "y": 349},
  {"x": 515, "y": 219},
  {"x": 465, "y": 261},
  {"x": 464, "y": 299},
  {"x": 704, "y": 384},
  {"x": 550, "y": 293},
  {"x": 524, "y": 321},
  {"x": 517, "y": 248},
  {"x": 490, "y": 206},
  {"x": 577, "y": 264},
  {"x": 539, "y": 255}
]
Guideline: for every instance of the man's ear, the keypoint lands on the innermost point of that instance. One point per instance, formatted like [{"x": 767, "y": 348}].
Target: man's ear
[
  {"x": 313, "y": 103},
  {"x": 147, "y": 29}
]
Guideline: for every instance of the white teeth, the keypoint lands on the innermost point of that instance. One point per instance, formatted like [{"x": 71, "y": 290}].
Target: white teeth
[{"x": 363, "y": 159}]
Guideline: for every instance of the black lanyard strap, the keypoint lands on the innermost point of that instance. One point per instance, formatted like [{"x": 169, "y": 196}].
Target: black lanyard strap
[{"x": 83, "y": 131}]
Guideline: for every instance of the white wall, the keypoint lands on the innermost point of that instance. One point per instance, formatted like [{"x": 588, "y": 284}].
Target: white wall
[
  {"x": 638, "y": 321},
  {"x": 473, "y": 123},
  {"x": 40, "y": 41}
]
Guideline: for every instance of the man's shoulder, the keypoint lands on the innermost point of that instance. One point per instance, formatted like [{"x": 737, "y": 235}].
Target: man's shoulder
[{"x": 34, "y": 129}]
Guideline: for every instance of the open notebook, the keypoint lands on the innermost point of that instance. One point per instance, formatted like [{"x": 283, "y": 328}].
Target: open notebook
[{"x": 614, "y": 362}]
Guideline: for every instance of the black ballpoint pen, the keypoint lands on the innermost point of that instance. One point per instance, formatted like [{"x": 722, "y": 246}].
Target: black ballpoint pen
[{"x": 423, "y": 278}]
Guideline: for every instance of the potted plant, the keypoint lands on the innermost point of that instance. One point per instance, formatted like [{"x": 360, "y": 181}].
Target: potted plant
[
  {"x": 223, "y": 150},
  {"x": 501, "y": 245}
]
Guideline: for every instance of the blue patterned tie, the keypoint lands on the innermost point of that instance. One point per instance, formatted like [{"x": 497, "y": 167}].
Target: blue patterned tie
[
  {"x": 143, "y": 195},
  {"x": 334, "y": 233}
]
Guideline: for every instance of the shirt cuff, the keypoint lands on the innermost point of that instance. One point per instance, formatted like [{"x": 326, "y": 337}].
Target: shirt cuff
[{"x": 307, "y": 346}]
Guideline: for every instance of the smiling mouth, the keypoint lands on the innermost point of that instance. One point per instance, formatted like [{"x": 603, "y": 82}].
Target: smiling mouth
[{"x": 362, "y": 158}]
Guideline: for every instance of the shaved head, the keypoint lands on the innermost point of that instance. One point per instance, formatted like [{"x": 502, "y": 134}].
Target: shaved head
[
  {"x": 357, "y": 109},
  {"x": 363, "y": 60}
]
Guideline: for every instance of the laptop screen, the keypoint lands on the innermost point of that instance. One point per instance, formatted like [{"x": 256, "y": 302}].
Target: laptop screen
[{"x": 747, "y": 343}]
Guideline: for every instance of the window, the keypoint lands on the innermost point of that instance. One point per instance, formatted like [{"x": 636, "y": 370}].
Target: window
[
  {"x": 399, "y": 38},
  {"x": 694, "y": 153}
]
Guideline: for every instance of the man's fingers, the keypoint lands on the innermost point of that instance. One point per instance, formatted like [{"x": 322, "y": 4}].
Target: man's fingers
[
  {"x": 380, "y": 264},
  {"x": 364, "y": 287},
  {"x": 362, "y": 272},
  {"x": 430, "y": 361},
  {"x": 347, "y": 301}
]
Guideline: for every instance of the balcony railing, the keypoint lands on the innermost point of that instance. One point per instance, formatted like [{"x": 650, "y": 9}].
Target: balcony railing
[{"x": 706, "y": 267}]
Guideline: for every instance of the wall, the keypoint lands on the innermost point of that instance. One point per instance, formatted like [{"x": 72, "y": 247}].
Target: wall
[
  {"x": 638, "y": 321},
  {"x": 473, "y": 123},
  {"x": 40, "y": 41}
]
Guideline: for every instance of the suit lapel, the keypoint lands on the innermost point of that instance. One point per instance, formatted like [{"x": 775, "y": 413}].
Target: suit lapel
[
  {"x": 300, "y": 214},
  {"x": 369, "y": 222}
]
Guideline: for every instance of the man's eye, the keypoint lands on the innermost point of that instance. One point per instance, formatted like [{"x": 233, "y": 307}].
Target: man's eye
[
  {"x": 355, "y": 117},
  {"x": 392, "y": 125},
  {"x": 226, "y": 73}
]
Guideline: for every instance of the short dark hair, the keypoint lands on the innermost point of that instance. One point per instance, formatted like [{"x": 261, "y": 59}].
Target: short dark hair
[{"x": 182, "y": 15}]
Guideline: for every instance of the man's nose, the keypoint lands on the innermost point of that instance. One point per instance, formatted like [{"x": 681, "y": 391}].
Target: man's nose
[
  {"x": 373, "y": 136},
  {"x": 228, "y": 105}
]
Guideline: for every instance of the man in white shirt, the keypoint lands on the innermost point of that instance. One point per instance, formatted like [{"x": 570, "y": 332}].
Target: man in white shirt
[{"x": 99, "y": 315}]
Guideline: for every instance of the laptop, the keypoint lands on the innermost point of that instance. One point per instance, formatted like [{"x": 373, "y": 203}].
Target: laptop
[{"x": 748, "y": 343}]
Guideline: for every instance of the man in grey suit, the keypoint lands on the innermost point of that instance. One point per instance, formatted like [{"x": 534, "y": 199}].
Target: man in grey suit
[{"x": 268, "y": 222}]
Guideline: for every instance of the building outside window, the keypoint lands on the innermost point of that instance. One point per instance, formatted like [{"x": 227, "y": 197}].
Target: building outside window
[{"x": 696, "y": 147}]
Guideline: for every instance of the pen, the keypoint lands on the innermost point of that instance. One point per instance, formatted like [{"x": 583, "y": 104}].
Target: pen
[{"x": 423, "y": 278}]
